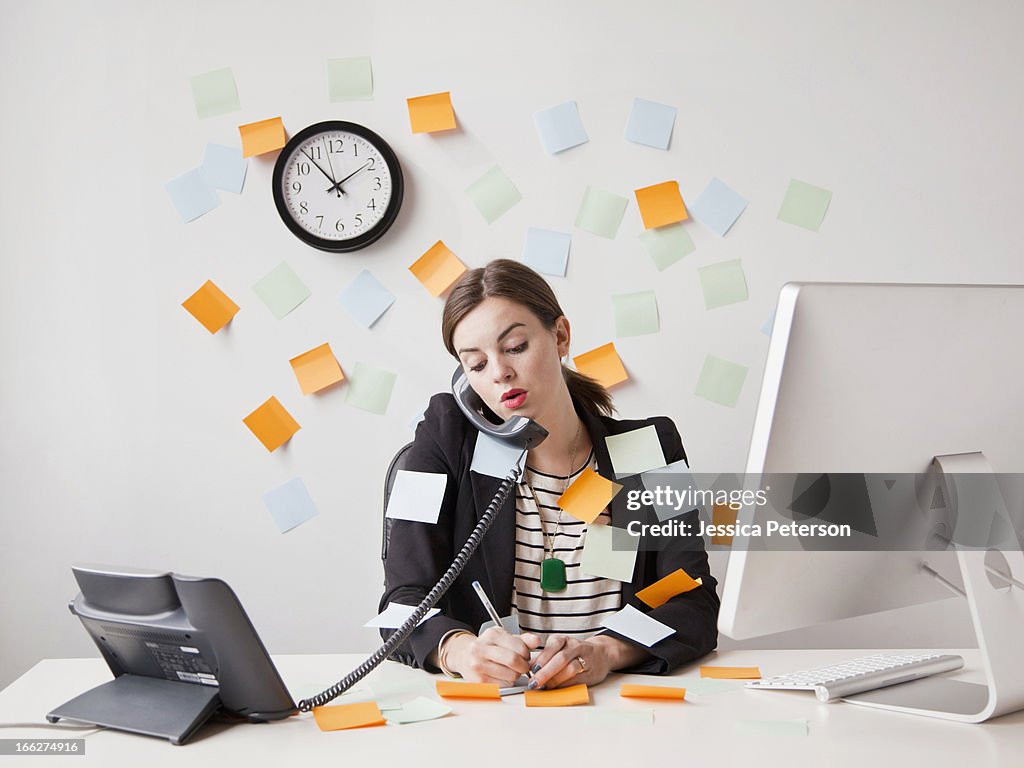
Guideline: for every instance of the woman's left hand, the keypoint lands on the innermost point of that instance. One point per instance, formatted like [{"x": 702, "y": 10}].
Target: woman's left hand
[{"x": 568, "y": 661}]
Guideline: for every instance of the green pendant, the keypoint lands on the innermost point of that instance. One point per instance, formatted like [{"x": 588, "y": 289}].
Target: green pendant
[{"x": 552, "y": 575}]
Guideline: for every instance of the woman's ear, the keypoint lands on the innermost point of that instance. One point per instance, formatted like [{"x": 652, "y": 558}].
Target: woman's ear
[{"x": 562, "y": 335}]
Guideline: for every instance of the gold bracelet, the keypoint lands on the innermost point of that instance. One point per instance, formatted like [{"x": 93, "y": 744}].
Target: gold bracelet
[{"x": 442, "y": 651}]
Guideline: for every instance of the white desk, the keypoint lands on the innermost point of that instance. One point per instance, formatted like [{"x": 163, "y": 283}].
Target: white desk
[{"x": 698, "y": 732}]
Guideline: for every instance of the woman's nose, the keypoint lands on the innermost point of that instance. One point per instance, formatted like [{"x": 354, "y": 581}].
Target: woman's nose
[{"x": 502, "y": 372}]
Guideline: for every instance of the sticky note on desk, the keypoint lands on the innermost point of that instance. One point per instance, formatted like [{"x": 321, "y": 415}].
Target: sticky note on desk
[
  {"x": 290, "y": 504},
  {"x": 636, "y": 451},
  {"x": 560, "y": 127},
  {"x": 366, "y": 299},
  {"x": 215, "y": 93},
  {"x": 438, "y": 268},
  {"x": 272, "y": 424},
  {"x": 349, "y": 79},
  {"x": 340, "y": 717},
  {"x": 637, "y": 625},
  {"x": 493, "y": 194},
  {"x": 661, "y": 204},
  {"x": 417, "y": 496},
  {"x": 223, "y": 168},
  {"x": 211, "y": 307},
  {"x": 558, "y": 697},
  {"x": 588, "y": 495},
  {"x": 418, "y": 710},
  {"x": 262, "y": 136},
  {"x": 731, "y": 673},
  {"x": 632, "y": 691},
  {"x": 718, "y": 207},
  {"x": 316, "y": 369},
  {"x": 602, "y": 364},
  {"x": 431, "y": 113},
  {"x": 396, "y": 614},
  {"x": 804, "y": 205},
  {"x": 664, "y": 589},
  {"x": 667, "y": 245},
  {"x": 281, "y": 290},
  {"x": 723, "y": 283},
  {"x": 636, "y": 314},
  {"x": 601, "y": 212},
  {"x": 192, "y": 197},
  {"x": 721, "y": 381},
  {"x": 609, "y": 552},
  {"x": 370, "y": 388},
  {"x": 449, "y": 689},
  {"x": 650, "y": 123}
]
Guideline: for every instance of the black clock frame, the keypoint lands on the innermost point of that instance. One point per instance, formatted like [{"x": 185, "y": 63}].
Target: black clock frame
[{"x": 394, "y": 204}]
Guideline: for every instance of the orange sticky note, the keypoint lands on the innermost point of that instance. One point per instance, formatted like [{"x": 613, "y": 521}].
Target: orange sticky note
[
  {"x": 558, "y": 697},
  {"x": 661, "y": 204},
  {"x": 211, "y": 307},
  {"x": 342, "y": 716},
  {"x": 450, "y": 689},
  {"x": 431, "y": 113},
  {"x": 317, "y": 369},
  {"x": 588, "y": 495},
  {"x": 663, "y": 590},
  {"x": 722, "y": 514},
  {"x": 264, "y": 136},
  {"x": 602, "y": 364},
  {"x": 272, "y": 424},
  {"x": 438, "y": 268},
  {"x": 630, "y": 691},
  {"x": 731, "y": 673}
]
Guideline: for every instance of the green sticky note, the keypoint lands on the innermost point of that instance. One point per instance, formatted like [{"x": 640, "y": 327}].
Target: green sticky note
[
  {"x": 418, "y": 710},
  {"x": 721, "y": 381},
  {"x": 601, "y": 212},
  {"x": 281, "y": 290},
  {"x": 804, "y": 205},
  {"x": 370, "y": 388},
  {"x": 493, "y": 194},
  {"x": 635, "y": 313},
  {"x": 706, "y": 686},
  {"x": 215, "y": 93},
  {"x": 350, "y": 79},
  {"x": 772, "y": 727},
  {"x": 723, "y": 283},
  {"x": 609, "y": 552},
  {"x": 604, "y": 718},
  {"x": 667, "y": 244},
  {"x": 636, "y": 451}
]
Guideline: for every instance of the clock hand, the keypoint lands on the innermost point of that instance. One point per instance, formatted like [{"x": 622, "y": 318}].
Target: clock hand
[
  {"x": 325, "y": 173},
  {"x": 337, "y": 184},
  {"x": 330, "y": 165}
]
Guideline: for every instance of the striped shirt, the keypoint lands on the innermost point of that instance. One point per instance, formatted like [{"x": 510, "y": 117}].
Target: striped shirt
[{"x": 587, "y": 600}]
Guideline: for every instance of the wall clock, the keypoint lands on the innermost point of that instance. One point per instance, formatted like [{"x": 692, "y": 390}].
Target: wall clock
[{"x": 337, "y": 186}]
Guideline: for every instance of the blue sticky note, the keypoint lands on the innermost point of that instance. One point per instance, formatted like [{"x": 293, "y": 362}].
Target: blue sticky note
[
  {"x": 547, "y": 251},
  {"x": 766, "y": 329},
  {"x": 494, "y": 457},
  {"x": 366, "y": 299},
  {"x": 223, "y": 168},
  {"x": 290, "y": 504},
  {"x": 718, "y": 207},
  {"x": 650, "y": 123},
  {"x": 560, "y": 127},
  {"x": 191, "y": 196}
]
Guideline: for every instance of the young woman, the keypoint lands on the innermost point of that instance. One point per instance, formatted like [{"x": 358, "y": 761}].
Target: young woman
[{"x": 504, "y": 325}]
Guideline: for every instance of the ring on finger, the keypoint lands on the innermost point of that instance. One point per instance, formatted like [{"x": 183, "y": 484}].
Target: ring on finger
[{"x": 583, "y": 664}]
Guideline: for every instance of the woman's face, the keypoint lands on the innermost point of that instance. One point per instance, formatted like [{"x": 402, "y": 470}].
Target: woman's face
[{"x": 512, "y": 361}]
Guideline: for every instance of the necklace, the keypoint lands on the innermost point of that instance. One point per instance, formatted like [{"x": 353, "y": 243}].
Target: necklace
[{"x": 552, "y": 569}]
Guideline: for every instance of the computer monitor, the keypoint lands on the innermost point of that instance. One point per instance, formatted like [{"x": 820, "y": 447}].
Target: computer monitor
[
  {"x": 180, "y": 649},
  {"x": 881, "y": 379}
]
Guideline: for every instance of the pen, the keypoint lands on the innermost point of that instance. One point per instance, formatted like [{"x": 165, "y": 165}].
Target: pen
[{"x": 490, "y": 610}]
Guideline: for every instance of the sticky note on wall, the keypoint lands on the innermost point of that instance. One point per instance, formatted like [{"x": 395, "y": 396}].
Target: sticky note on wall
[
  {"x": 661, "y": 204},
  {"x": 317, "y": 369},
  {"x": 602, "y": 364},
  {"x": 211, "y": 307},
  {"x": 430, "y": 113},
  {"x": 438, "y": 268},
  {"x": 261, "y": 137},
  {"x": 214, "y": 93},
  {"x": 272, "y": 424}
]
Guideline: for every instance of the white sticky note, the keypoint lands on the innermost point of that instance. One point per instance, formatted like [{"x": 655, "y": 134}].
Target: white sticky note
[
  {"x": 609, "y": 552},
  {"x": 495, "y": 457},
  {"x": 191, "y": 195},
  {"x": 224, "y": 168},
  {"x": 637, "y": 625},
  {"x": 650, "y": 123},
  {"x": 636, "y": 451},
  {"x": 560, "y": 127},
  {"x": 366, "y": 299},
  {"x": 417, "y": 496},
  {"x": 396, "y": 614},
  {"x": 718, "y": 207},
  {"x": 417, "y": 710},
  {"x": 290, "y": 504},
  {"x": 678, "y": 478},
  {"x": 547, "y": 251}
]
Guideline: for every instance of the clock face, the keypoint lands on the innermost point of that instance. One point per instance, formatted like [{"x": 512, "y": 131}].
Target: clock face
[{"x": 337, "y": 186}]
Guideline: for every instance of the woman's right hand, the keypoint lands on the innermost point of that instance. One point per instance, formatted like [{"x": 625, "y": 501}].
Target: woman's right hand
[{"x": 494, "y": 657}]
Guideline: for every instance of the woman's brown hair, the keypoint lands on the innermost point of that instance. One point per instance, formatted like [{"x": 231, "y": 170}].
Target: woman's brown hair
[{"x": 517, "y": 282}]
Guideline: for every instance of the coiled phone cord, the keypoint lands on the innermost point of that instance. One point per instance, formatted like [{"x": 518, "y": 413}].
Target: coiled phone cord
[{"x": 429, "y": 601}]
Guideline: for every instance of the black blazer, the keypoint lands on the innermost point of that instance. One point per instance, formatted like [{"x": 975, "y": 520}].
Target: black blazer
[{"x": 419, "y": 553}]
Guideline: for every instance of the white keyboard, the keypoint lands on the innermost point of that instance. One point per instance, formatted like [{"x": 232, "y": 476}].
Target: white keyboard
[{"x": 864, "y": 674}]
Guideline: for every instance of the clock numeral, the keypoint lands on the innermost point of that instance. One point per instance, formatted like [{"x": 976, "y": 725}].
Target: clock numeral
[
  {"x": 302, "y": 168},
  {"x": 359, "y": 219},
  {"x": 372, "y": 204},
  {"x": 377, "y": 179},
  {"x": 339, "y": 226},
  {"x": 315, "y": 151},
  {"x": 371, "y": 166},
  {"x": 336, "y": 146},
  {"x": 319, "y": 222},
  {"x": 303, "y": 207},
  {"x": 296, "y": 187},
  {"x": 355, "y": 150}
]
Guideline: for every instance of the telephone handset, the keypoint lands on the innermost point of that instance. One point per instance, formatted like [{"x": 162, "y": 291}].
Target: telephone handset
[{"x": 518, "y": 431}]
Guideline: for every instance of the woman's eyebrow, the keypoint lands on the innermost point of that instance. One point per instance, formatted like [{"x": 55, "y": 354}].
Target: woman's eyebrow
[{"x": 501, "y": 336}]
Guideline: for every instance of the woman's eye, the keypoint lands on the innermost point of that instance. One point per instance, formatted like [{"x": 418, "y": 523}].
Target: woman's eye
[
  {"x": 517, "y": 350},
  {"x": 477, "y": 368}
]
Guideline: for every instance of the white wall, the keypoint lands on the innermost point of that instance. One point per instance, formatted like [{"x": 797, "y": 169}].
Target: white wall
[{"x": 122, "y": 438}]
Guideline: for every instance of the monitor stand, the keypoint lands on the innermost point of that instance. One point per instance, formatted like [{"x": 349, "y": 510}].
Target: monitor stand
[
  {"x": 997, "y": 605},
  {"x": 147, "y": 705}
]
